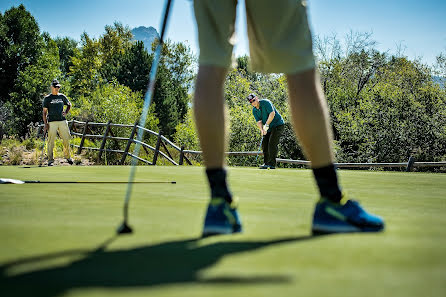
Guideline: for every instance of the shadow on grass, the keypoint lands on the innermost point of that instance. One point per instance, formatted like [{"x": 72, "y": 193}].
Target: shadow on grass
[{"x": 153, "y": 265}]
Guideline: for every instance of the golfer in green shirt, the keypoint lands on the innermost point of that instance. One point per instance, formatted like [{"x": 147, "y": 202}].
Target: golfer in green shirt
[{"x": 271, "y": 125}]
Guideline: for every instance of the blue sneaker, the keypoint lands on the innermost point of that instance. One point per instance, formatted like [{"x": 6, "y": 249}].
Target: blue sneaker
[
  {"x": 221, "y": 218},
  {"x": 345, "y": 217}
]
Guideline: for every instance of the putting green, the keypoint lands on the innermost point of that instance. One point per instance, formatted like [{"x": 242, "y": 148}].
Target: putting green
[{"x": 59, "y": 239}]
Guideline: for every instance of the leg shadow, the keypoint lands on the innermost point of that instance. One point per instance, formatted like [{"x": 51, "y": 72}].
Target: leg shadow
[{"x": 153, "y": 265}]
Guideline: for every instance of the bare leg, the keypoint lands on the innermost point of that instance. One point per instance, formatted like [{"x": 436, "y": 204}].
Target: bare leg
[
  {"x": 210, "y": 114},
  {"x": 311, "y": 117}
]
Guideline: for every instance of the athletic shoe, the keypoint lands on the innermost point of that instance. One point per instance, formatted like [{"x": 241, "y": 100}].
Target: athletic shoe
[
  {"x": 50, "y": 163},
  {"x": 345, "y": 217},
  {"x": 267, "y": 167},
  {"x": 70, "y": 161},
  {"x": 221, "y": 218}
]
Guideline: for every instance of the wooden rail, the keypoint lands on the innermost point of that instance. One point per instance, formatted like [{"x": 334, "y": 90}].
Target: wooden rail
[
  {"x": 163, "y": 142},
  {"x": 85, "y": 127},
  {"x": 408, "y": 165}
]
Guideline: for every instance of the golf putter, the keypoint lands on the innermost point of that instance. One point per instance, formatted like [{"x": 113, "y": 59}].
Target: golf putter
[
  {"x": 43, "y": 148},
  {"x": 124, "y": 228},
  {"x": 258, "y": 150}
]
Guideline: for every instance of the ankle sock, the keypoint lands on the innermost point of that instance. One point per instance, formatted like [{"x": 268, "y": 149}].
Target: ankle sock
[
  {"x": 217, "y": 182},
  {"x": 327, "y": 181}
]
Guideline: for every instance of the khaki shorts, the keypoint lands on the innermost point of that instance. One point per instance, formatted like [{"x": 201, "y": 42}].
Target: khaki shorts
[{"x": 279, "y": 36}]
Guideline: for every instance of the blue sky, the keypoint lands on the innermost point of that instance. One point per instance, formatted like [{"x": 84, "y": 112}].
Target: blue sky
[{"x": 418, "y": 27}]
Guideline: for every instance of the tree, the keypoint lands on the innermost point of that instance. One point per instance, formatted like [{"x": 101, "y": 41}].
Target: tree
[
  {"x": 84, "y": 75},
  {"x": 32, "y": 84},
  {"x": 67, "y": 49},
  {"x": 174, "y": 80},
  {"x": 134, "y": 67},
  {"x": 113, "y": 102},
  {"x": 20, "y": 46},
  {"x": 179, "y": 60},
  {"x": 116, "y": 41}
]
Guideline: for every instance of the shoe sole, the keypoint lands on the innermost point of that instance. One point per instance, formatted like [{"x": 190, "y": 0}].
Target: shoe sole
[
  {"x": 217, "y": 230},
  {"x": 325, "y": 229}
]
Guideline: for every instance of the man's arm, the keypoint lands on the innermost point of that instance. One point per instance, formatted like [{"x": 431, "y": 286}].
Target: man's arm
[
  {"x": 271, "y": 116},
  {"x": 268, "y": 121},
  {"x": 67, "y": 110},
  {"x": 260, "y": 126}
]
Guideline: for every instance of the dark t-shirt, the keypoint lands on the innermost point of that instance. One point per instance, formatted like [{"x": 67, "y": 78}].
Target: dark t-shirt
[
  {"x": 55, "y": 104},
  {"x": 262, "y": 114}
]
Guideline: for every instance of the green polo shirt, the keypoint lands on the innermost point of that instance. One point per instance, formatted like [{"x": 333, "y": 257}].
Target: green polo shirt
[
  {"x": 55, "y": 104},
  {"x": 265, "y": 108}
]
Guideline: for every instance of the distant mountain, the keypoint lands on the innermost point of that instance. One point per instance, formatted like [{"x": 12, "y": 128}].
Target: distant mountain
[
  {"x": 439, "y": 80},
  {"x": 146, "y": 35}
]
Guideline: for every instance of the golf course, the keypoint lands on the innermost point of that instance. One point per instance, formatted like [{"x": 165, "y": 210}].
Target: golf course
[{"x": 60, "y": 239}]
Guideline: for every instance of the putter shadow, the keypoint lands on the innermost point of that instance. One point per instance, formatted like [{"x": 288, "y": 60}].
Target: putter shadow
[{"x": 161, "y": 264}]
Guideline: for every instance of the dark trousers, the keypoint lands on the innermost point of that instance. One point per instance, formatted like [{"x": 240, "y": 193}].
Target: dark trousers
[{"x": 270, "y": 145}]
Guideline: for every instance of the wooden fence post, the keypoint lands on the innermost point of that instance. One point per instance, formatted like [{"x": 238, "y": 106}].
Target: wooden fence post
[
  {"x": 410, "y": 164},
  {"x": 167, "y": 150},
  {"x": 83, "y": 138},
  {"x": 180, "y": 162},
  {"x": 72, "y": 125},
  {"x": 157, "y": 149},
  {"x": 124, "y": 155},
  {"x": 104, "y": 139}
]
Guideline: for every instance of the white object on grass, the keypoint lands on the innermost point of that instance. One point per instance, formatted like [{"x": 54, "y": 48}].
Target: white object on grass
[{"x": 11, "y": 181}]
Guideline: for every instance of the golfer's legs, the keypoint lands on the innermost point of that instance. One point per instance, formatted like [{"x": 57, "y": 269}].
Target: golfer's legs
[
  {"x": 210, "y": 114},
  {"x": 273, "y": 146},
  {"x": 265, "y": 148},
  {"x": 52, "y": 133},
  {"x": 64, "y": 133},
  {"x": 310, "y": 117}
]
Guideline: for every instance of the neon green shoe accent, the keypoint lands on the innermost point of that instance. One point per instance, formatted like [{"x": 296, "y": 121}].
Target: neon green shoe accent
[
  {"x": 343, "y": 200},
  {"x": 330, "y": 207},
  {"x": 334, "y": 213},
  {"x": 230, "y": 217},
  {"x": 234, "y": 203},
  {"x": 216, "y": 201}
]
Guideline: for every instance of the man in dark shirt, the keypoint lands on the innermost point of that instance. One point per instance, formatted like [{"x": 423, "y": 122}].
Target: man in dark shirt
[
  {"x": 271, "y": 125},
  {"x": 54, "y": 120}
]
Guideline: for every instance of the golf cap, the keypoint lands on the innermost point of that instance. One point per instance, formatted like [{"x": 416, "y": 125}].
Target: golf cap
[
  {"x": 55, "y": 83},
  {"x": 251, "y": 96}
]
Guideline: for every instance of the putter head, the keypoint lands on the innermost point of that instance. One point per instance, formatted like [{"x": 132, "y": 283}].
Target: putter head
[{"x": 124, "y": 229}]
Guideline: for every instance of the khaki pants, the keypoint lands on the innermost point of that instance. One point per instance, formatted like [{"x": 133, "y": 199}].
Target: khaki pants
[{"x": 64, "y": 133}]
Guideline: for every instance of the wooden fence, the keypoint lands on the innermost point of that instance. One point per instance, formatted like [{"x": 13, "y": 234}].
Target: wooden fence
[
  {"x": 164, "y": 143},
  {"x": 84, "y": 131},
  {"x": 409, "y": 165}
]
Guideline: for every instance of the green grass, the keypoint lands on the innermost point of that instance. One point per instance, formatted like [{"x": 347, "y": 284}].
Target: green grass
[{"x": 58, "y": 240}]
